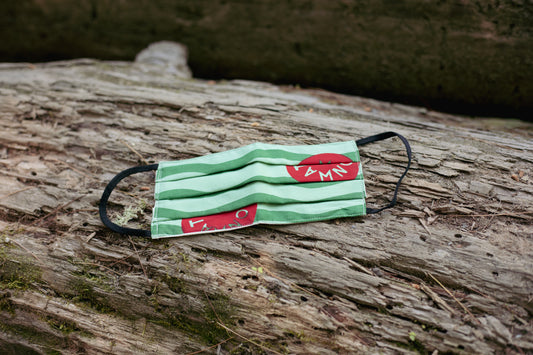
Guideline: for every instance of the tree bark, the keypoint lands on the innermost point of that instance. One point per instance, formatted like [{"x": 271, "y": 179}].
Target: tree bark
[
  {"x": 458, "y": 56},
  {"x": 449, "y": 269}
]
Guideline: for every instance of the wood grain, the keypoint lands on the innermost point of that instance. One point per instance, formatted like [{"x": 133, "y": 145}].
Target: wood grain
[{"x": 69, "y": 284}]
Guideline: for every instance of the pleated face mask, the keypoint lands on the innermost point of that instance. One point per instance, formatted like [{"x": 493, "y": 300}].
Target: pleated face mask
[{"x": 255, "y": 184}]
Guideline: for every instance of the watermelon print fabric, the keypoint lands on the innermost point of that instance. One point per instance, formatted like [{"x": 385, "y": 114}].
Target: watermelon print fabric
[{"x": 258, "y": 183}]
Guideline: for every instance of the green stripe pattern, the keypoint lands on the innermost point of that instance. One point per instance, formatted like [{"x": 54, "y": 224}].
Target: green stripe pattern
[
  {"x": 257, "y": 152},
  {"x": 257, "y": 175}
]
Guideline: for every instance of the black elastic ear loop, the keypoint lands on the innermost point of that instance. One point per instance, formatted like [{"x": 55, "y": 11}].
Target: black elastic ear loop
[
  {"x": 105, "y": 197},
  {"x": 379, "y": 137}
]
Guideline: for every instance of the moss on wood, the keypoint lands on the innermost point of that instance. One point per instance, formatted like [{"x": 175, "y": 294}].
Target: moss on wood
[{"x": 17, "y": 272}]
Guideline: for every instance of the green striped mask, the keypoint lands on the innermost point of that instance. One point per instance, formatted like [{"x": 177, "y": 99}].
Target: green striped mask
[{"x": 255, "y": 184}]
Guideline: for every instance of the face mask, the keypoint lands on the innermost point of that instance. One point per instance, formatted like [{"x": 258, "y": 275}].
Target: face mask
[{"x": 256, "y": 184}]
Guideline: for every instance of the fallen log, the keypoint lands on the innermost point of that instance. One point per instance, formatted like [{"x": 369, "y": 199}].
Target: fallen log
[
  {"x": 456, "y": 56},
  {"x": 450, "y": 269}
]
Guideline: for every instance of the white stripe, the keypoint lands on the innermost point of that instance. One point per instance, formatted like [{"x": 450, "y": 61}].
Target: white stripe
[
  {"x": 311, "y": 208},
  {"x": 297, "y": 192},
  {"x": 348, "y": 147},
  {"x": 224, "y": 180}
]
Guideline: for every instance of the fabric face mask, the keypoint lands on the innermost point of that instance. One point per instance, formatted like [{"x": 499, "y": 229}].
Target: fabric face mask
[{"x": 255, "y": 184}]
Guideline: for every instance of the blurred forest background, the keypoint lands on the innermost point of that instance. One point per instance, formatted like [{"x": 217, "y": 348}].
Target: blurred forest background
[{"x": 462, "y": 56}]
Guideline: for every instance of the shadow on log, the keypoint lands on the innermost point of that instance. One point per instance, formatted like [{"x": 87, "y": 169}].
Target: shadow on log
[
  {"x": 458, "y": 56},
  {"x": 449, "y": 269}
]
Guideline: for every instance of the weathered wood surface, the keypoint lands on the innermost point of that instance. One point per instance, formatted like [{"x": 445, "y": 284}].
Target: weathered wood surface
[
  {"x": 453, "y": 55},
  {"x": 449, "y": 269}
]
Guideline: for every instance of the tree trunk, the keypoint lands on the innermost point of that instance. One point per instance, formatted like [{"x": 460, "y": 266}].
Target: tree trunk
[
  {"x": 449, "y": 269},
  {"x": 465, "y": 56}
]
